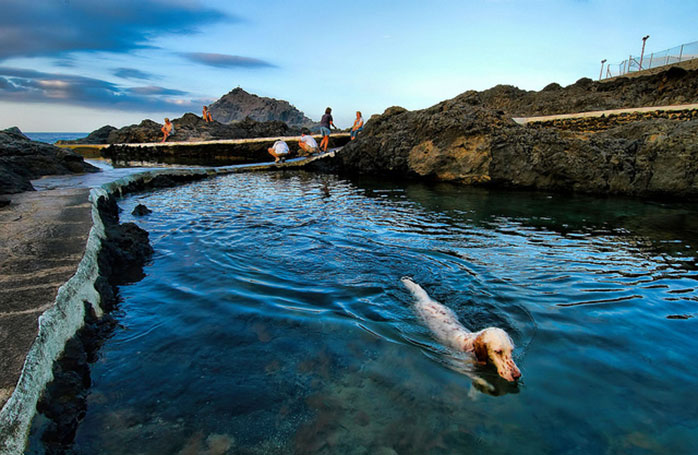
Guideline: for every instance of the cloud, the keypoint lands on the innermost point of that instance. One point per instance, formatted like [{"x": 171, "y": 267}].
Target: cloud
[
  {"x": 153, "y": 90},
  {"x": 56, "y": 27},
  {"x": 29, "y": 86},
  {"x": 132, "y": 73},
  {"x": 226, "y": 61}
]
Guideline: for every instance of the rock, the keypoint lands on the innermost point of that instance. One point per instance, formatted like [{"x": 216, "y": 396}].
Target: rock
[
  {"x": 141, "y": 210},
  {"x": 238, "y": 105},
  {"x": 674, "y": 86},
  {"x": 98, "y": 136},
  {"x": 16, "y": 133},
  {"x": 471, "y": 139},
  {"x": 146, "y": 131},
  {"x": 22, "y": 159},
  {"x": 190, "y": 128}
]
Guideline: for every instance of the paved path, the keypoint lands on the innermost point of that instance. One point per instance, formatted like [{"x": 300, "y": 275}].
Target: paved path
[
  {"x": 545, "y": 118},
  {"x": 42, "y": 241}
]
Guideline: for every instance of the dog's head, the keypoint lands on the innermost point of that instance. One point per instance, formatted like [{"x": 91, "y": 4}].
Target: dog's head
[{"x": 494, "y": 345}]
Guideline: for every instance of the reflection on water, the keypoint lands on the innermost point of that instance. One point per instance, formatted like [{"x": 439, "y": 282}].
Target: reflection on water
[{"x": 272, "y": 320}]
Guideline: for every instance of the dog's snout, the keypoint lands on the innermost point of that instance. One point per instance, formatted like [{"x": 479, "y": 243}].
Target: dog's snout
[{"x": 516, "y": 374}]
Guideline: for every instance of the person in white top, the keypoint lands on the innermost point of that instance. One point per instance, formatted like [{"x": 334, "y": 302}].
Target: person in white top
[
  {"x": 307, "y": 144},
  {"x": 279, "y": 151}
]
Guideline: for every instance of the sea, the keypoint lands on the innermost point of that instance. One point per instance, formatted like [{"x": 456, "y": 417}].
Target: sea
[
  {"x": 272, "y": 320},
  {"x": 52, "y": 138}
]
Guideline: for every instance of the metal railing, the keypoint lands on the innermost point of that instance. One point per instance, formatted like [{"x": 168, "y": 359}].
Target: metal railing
[{"x": 633, "y": 64}]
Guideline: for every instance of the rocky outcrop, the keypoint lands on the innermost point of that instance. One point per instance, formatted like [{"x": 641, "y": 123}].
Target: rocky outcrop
[
  {"x": 238, "y": 105},
  {"x": 671, "y": 87},
  {"x": 22, "y": 159},
  {"x": 463, "y": 140},
  {"x": 190, "y": 128},
  {"x": 98, "y": 136}
]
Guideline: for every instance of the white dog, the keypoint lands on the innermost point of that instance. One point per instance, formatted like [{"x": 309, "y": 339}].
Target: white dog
[{"x": 491, "y": 344}]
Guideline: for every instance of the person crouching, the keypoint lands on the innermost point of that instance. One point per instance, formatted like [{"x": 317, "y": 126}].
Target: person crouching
[
  {"x": 307, "y": 144},
  {"x": 279, "y": 151}
]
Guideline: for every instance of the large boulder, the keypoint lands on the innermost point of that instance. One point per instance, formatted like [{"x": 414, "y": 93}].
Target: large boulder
[{"x": 22, "y": 160}]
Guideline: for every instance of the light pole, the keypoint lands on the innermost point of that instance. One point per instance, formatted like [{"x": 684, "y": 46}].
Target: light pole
[
  {"x": 644, "y": 40},
  {"x": 601, "y": 72}
]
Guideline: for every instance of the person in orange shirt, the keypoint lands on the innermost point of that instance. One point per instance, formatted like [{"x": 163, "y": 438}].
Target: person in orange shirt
[
  {"x": 167, "y": 129},
  {"x": 207, "y": 115}
]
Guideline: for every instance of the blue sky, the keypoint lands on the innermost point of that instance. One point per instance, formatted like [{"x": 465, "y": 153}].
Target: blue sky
[{"x": 75, "y": 65}]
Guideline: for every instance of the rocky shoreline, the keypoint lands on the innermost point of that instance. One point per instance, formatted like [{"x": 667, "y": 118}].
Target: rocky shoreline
[
  {"x": 472, "y": 139},
  {"x": 22, "y": 160}
]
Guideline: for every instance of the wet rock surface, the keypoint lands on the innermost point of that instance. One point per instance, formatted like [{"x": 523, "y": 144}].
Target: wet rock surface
[
  {"x": 63, "y": 404},
  {"x": 141, "y": 210},
  {"x": 22, "y": 160}
]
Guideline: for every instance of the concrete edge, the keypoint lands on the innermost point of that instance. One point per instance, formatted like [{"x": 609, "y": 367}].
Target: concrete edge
[
  {"x": 61, "y": 322},
  {"x": 56, "y": 326}
]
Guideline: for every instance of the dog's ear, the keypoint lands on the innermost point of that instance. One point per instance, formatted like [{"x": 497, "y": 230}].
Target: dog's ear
[{"x": 480, "y": 349}]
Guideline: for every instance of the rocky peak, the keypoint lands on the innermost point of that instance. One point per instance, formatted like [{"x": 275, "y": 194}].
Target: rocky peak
[{"x": 238, "y": 104}]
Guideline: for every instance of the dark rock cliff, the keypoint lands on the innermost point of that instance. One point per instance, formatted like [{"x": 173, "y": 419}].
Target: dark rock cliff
[
  {"x": 22, "y": 159},
  {"x": 471, "y": 139}
]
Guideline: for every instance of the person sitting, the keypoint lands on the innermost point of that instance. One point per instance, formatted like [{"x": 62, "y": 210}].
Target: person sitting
[
  {"x": 307, "y": 144},
  {"x": 358, "y": 125},
  {"x": 279, "y": 151},
  {"x": 167, "y": 129},
  {"x": 207, "y": 115},
  {"x": 325, "y": 124}
]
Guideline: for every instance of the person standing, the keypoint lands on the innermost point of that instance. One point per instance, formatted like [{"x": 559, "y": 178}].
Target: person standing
[
  {"x": 358, "y": 125},
  {"x": 325, "y": 124},
  {"x": 167, "y": 129}
]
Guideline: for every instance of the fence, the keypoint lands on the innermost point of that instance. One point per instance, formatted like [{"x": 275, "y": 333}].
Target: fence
[{"x": 653, "y": 60}]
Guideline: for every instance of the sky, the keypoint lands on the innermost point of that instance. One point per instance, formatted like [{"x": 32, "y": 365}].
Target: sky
[{"x": 76, "y": 65}]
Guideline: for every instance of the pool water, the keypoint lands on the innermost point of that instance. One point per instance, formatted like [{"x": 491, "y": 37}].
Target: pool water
[{"x": 272, "y": 320}]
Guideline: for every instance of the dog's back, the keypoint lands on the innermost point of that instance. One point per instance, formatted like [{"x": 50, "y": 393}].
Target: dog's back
[{"x": 440, "y": 319}]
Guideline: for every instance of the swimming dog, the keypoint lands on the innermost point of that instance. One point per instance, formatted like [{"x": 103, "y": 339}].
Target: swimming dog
[{"x": 491, "y": 344}]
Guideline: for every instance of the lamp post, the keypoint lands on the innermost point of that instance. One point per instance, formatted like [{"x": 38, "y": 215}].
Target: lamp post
[
  {"x": 644, "y": 40},
  {"x": 601, "y": 72}
]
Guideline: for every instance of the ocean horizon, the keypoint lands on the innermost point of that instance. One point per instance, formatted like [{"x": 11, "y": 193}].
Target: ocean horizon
[{"x": 52, "y": 137}]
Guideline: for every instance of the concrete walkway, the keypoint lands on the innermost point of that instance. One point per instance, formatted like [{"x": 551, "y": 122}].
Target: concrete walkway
[
  {"x": 545, "y": 118},
  {"x": 42, "y": 241}
]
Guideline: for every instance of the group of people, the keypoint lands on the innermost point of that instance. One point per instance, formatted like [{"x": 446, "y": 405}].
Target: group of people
[
  {"x": 279, "y": 150},
  {"x": 307, "y": 143}
]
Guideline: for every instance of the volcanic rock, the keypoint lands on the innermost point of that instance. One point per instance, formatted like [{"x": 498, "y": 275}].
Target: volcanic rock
[
  {"x": 238, "y": 105},
  {"x": 671, "y": 87},
  {"x": 192, "y": 128},
  {"x": 22, "y": 159},
  {"x": 98, "y": 136},
  {"x": 473, "y": 140}
]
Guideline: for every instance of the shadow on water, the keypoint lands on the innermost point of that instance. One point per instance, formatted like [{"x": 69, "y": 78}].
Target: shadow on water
[{"x": 272, "y": 320}]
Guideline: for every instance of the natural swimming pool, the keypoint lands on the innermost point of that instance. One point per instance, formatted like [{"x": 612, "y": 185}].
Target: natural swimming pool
[{"x": 272, "y": 320}]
